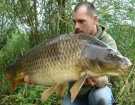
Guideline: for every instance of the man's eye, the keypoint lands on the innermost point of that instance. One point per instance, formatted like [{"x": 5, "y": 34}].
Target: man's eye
[
  {"x": 81, "y": 21},
  {"x": 73, "y": 21}
]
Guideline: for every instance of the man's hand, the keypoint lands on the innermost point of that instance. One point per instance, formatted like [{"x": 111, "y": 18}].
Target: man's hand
[
  {"x": 91, "y": 81},
  {"x": 26, "y": 79},
  {"x": 98, "y": 82}
]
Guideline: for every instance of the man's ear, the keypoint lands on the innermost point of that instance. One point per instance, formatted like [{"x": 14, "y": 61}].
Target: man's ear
[{"x": 95, "y": 19}]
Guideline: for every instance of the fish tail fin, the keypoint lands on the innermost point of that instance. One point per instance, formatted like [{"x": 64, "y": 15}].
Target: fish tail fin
[
  {"x": 12, "y": 85},
  {"x": 8, "y": 74}
]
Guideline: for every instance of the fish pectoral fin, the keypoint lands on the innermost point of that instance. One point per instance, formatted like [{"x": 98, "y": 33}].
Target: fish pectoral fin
[
  {"x": 48, "y": 92},
  {"x": 12, "y": 85},
  {"x": 77, "y": 86},
  {"x": 60, "y": 90}
]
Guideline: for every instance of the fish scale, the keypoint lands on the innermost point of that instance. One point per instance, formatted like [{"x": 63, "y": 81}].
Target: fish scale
[{"x": 66, "y": 49}]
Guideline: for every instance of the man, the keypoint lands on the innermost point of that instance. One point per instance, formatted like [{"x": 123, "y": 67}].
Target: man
[{"x": 95, "y": 90}]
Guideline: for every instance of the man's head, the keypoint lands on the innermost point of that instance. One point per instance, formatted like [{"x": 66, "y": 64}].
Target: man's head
[{"x": 85, "y": 18}]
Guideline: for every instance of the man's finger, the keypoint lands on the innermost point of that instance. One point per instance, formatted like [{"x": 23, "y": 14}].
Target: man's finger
[
  {"x": 95, "y": 80},
  {"x": 86, "y": 83},
  {"x": 90, "y": 82},
  {"x": 26, "y": 79}
]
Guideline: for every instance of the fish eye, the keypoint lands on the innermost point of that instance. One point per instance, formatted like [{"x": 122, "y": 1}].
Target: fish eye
[
  {"x": 111, "y": 53},
  {"x": 74, "y": 21}
]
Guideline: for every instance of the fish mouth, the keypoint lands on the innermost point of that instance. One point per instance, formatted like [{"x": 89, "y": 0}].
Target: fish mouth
[{"x": 122, "y": 71}]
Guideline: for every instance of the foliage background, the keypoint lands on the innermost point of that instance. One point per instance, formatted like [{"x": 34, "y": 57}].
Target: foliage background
[{"x": 26, "y": 23}]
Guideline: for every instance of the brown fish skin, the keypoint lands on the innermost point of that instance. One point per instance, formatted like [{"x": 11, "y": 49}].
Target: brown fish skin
[{"x": 65, "y": 58}]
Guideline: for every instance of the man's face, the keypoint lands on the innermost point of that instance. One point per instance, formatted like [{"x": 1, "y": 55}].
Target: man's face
[{"x": 83, "y": 22}]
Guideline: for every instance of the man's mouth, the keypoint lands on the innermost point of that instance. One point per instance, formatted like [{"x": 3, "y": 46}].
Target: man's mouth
[{"x": 79, "y": 32}]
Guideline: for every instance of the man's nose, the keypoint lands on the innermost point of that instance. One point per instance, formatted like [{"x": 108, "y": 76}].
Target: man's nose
[{"x": 77, "y": 25}]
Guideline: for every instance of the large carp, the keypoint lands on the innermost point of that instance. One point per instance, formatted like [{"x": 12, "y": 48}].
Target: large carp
[{"x": 66, "y": 58}]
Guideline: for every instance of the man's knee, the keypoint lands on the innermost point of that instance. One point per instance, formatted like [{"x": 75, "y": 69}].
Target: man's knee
[
  {"x": 66, "y": 100},
  {"x": 101, "y": 96},
  {"x": 102, "y": 101}
]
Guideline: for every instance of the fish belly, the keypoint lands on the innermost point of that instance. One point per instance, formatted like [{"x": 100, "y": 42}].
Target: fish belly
[{"x": 56, "y": 77}]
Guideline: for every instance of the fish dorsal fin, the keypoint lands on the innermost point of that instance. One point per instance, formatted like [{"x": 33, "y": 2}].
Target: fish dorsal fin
[
  {"x": 60, "y": 90},
  {"x": 48, "y": 92},
  {"x": 77, "y": 86}
]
